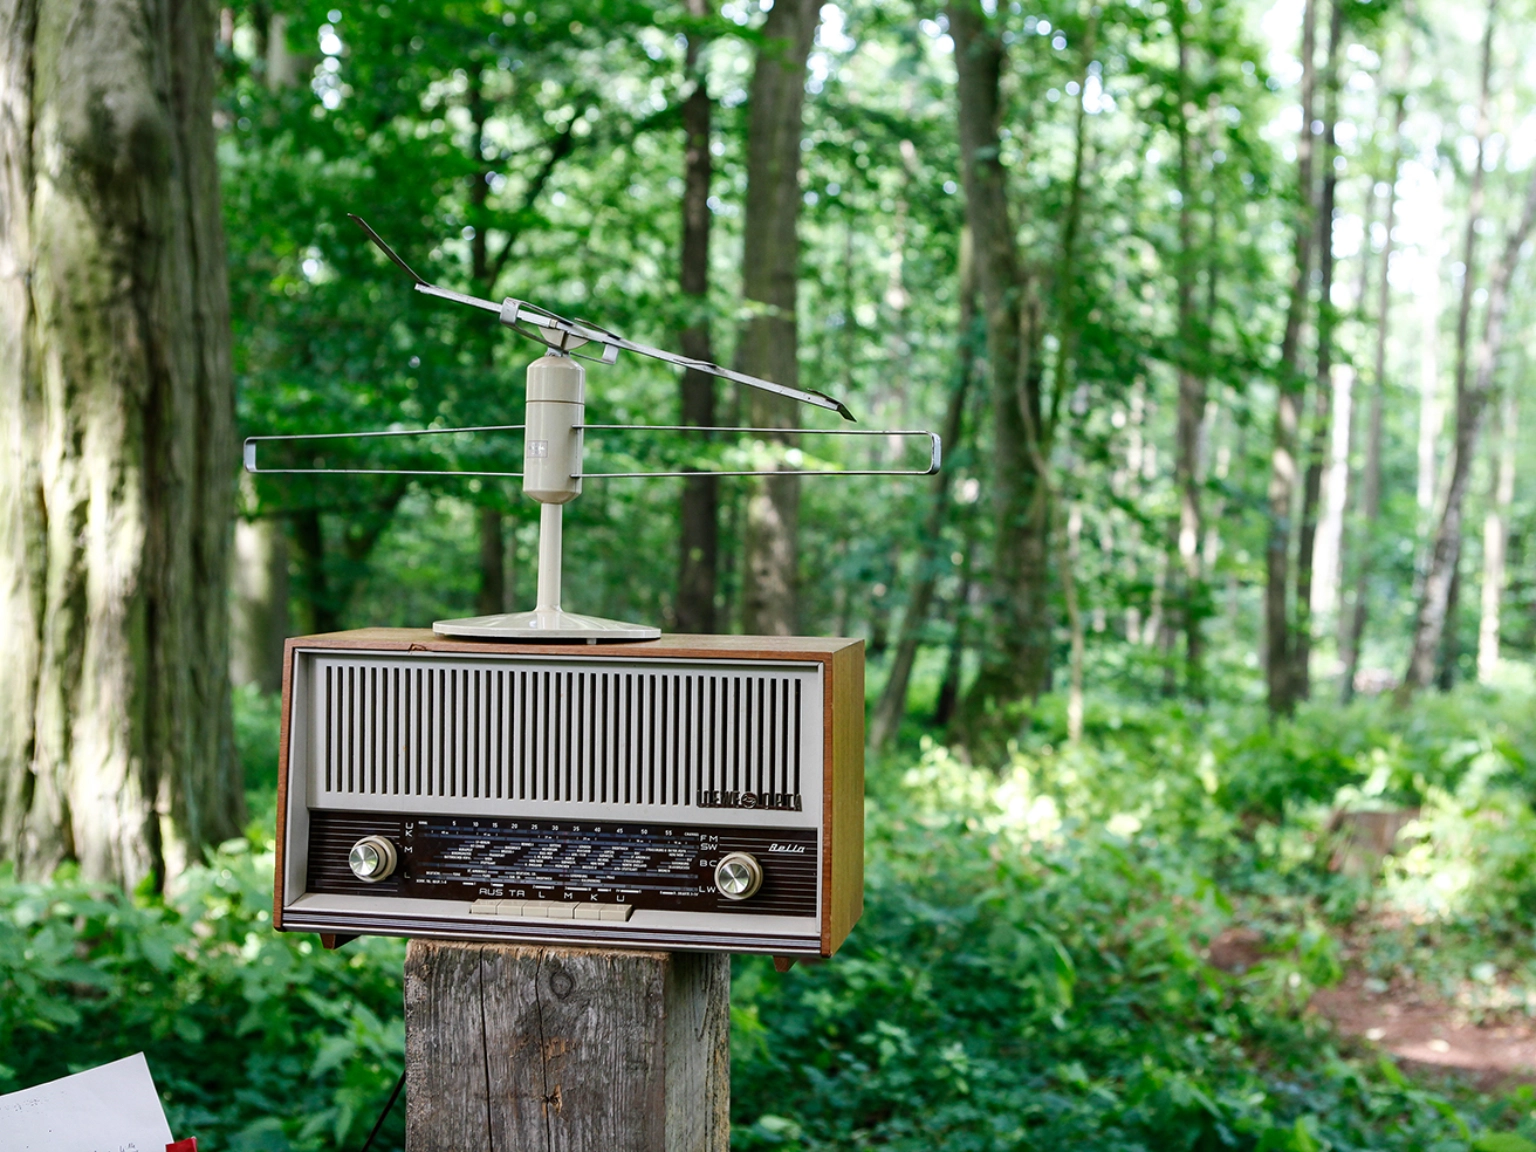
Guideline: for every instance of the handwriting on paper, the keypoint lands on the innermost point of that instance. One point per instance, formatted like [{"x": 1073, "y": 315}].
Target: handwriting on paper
[{"x": 113, "y": 1108}]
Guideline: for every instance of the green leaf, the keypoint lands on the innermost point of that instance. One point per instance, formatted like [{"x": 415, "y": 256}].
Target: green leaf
[{"x": 1502, "y": 1142}]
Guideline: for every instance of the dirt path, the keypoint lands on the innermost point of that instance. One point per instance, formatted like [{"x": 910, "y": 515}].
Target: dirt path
[{"x": 1419, "y": 1030}]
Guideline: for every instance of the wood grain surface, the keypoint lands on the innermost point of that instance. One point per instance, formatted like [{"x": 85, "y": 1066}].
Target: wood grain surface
[
  {"x": 565, "y": 1050},
  {"x": 844, "y": 855},
  {"x": 678, "y": 647}
]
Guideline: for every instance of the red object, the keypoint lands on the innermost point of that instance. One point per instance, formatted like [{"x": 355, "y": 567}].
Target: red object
[{"x": 187, "y": 1145}]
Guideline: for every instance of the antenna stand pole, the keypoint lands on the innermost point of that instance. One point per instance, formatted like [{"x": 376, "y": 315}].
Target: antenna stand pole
[
  {"x": 552, "y": 476},
  {"x": 549, "y": 557}
]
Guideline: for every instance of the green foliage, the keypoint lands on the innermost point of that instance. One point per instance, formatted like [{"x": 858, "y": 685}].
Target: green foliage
[
  {"x": 257, "y": 719},
  {"x": 257, "y": 1041},
  {"x": 1033, "y": 968},
  {"x": 1025, "y": 977}
]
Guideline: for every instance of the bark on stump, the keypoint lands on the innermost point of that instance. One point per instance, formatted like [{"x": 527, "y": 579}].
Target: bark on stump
[{"x": 513, "y": 1047}]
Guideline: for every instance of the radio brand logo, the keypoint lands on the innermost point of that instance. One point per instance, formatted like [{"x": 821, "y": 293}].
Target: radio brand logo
[{"x": 773, "y": 801}]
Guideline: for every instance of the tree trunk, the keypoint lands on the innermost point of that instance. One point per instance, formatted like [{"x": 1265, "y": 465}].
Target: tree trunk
[
  {"x": 1341, "y": 486},
  {"x": 1279, "y": 660},
  {"x": 892, "y": 705},
  {"x": 946, "y": 706},
  {"x": 768, "y": 344},
  {"x": 699, "y": 535},
  {"x": 1444, "y": 657},
  {"x": 1431, "y": 402},
  {"x": 1327, "y": 548},
  {"x": 1069, "y": 536},
  {"x": 1071, "y": 550},
  {"x": 258, "y": 605},
  {"x": 1016, "y": 662},
  {"x": 1184, "y": 543},
  {"x": 1496, "y": 537},
  {"x": 1450, "y": 635},
  {"x": 116, "y": 486},
  {"x": 282, "y": 65},
  {"x": 1471, "y": 399},
  {"x": 258, "y": 596},
  {"x": 491, "y": 596},
  {"x": 1209, "y": 461},
  {"x": 1322, "y": 396},
  {"x": 327, "y": 582},
  {"x": 1329, "y": 554},
  {"x": 1370, "y": 482},
  {"x": 318, "y": 610}
]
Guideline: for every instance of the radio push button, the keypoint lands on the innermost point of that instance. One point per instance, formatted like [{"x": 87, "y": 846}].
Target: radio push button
[
  {"x": 738, "y": 876},
  {"x": 372, "y": 859}
]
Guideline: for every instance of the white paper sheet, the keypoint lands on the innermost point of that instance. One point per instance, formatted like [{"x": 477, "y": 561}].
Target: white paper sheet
[{"x": 113, "y": 1108}]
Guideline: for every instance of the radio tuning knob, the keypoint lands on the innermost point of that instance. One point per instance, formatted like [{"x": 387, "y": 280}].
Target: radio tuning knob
[
  {"x": 373, "y": 858},
  {"x": 738, "y": 876}
]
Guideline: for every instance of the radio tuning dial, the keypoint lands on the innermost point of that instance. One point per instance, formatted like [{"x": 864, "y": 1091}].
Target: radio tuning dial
[
  {"x": 738, "y": 876},
  {"x": 373, "y": 858}
]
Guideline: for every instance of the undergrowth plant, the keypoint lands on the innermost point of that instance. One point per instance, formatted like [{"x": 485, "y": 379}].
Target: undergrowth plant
[{"x": 1032, "y": 969}]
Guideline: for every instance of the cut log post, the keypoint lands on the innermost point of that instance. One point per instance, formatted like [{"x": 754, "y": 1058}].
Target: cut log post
[{"x": 515, "y": 1049}]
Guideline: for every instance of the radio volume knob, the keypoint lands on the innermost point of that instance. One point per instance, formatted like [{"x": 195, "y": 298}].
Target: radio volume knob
[
  {"x": 738, "y": 875},
  {"x": 373, "y": 858}
]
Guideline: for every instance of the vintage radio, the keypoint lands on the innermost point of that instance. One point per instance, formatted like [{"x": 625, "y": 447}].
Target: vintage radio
[
  {"x": 509, "y": 777},
  {"x": 688, "y": 792}
]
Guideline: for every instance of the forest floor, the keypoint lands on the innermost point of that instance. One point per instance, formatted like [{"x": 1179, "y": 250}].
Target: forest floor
[
  {"x": 1414, "y": 1021},
  {"x": 1420, "y": 1028},
  {"x": 1408, "y": 1018}
]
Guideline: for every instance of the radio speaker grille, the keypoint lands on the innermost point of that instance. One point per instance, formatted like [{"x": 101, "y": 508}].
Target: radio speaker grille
[{"x": 668, "y": 737}]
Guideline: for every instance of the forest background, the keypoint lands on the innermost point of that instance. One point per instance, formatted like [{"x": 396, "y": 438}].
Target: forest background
[{"x": 1200, "y": 677}]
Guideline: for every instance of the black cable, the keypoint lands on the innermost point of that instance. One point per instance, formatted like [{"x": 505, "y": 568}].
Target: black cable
[{"x": 384, "y": 1115}]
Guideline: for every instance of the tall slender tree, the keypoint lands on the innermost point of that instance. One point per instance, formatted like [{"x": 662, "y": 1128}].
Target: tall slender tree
[
  {"x": 699, "y": 538},
  {"x": 1015, "y": 663},
  {"x": 768, "y": 345},
  {"x": 1370, "y": 483},
  {"x": 892, "y": 705},
  {"x": 116, "y": 479},
  {"x": 1300, "y": 675},
  {"x": 1496, "y": 533},
  {"x": 1448, "y": 651},
  {"x": 1291, "y": 392},
  {"x": 1472, "y": 398},
  {"x": 1437, "y": 600},
  {"x": 1184, "y": 536}
]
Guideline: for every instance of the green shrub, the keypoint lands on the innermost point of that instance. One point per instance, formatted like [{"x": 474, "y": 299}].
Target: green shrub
[
  {"x": 1030, "y": 971},
  {"x": 256, "y": 1040},
  {"x": 1010, "y": 991}
]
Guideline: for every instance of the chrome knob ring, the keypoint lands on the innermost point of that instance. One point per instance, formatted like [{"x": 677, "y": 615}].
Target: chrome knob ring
[
  {"x": 373, "y": 858},
  {"x": 738, "y": 876}
]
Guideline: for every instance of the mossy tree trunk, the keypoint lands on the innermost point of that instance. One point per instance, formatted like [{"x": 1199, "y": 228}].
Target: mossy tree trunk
[{"x": 116, "y": 478}]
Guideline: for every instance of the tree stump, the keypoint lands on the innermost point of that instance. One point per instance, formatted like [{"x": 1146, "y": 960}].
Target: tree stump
[{"x": 513, "y": 1048}]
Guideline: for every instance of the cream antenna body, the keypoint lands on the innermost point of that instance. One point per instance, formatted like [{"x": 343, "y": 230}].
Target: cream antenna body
[{"x": 554, "y": 440}]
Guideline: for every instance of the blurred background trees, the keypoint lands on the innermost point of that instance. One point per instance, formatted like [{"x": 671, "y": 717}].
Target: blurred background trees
[
  {"x": 1224, "y": 310},
  {"x": 1244, "y": 288},
  {"x": 1245, "y": 282}
]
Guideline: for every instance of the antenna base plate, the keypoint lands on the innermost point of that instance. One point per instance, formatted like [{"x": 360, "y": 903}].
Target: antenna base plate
[{"x": 544, "y": 625}]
